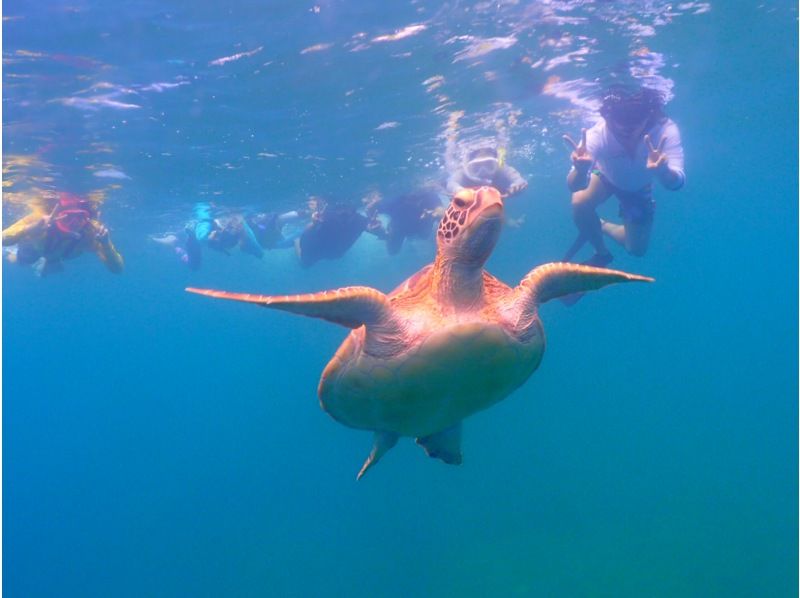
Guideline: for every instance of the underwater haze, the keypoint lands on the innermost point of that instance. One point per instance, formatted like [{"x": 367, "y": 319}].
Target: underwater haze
[{"x": 157, "y": 443}]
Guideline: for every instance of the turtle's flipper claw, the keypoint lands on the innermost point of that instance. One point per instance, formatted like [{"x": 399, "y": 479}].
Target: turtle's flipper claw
[{"x": 381, "y": 443}]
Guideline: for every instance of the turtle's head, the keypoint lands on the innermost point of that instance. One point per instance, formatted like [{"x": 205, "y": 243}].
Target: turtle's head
[{"x": 471, "y": 226}]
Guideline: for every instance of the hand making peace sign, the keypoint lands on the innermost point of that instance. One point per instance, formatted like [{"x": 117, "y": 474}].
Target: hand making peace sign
[
  {"x": 581, "y": 158},
  {"x": 656, "y": 158}
]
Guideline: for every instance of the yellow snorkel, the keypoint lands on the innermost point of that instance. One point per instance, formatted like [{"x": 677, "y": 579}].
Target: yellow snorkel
[{"x": 501, "y": 157}]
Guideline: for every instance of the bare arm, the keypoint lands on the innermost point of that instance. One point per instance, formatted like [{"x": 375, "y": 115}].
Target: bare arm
[
  {"x": 24, "y": 227},
  {"x": 515, "y": 183},
  {"x": 288, "y": 217},
  {"x": 105, "y": 249},
  {"x": 667, "y": 159},
  {"x": 582, "y": 160}
]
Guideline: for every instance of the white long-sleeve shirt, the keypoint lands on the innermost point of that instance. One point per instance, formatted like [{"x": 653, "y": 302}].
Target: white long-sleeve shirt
[{"x": 629, "y": 172}]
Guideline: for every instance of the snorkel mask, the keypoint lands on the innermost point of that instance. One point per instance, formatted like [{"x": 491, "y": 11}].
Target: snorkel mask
[
  {"x": 629, "y": 112},
  {"x": 482, "y": 164},
  {"x": 72, "y": 214},
  {"x": 72, "y": 222}
]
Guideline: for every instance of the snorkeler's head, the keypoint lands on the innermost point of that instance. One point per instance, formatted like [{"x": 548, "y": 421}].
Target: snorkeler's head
[
  {"x": 317, "y": 206},
  {"x": 70, "y": 201},
  {"x": 482, "y": 163},
  {"x": 73, "y": 213},
  {"x": 632, "y": 112},
  {"x": 224, "y": 236}
]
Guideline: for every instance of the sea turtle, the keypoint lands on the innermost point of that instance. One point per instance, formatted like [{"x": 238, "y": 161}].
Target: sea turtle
[{"x": 448, "y": 342}]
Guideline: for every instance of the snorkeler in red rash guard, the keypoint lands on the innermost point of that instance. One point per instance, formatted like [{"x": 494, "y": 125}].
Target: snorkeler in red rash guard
[
  {"x": 630, "y": 146},
  {"x": 45, "y": 240}
]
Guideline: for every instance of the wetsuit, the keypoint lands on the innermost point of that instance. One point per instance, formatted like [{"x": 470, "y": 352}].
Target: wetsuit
[
  {"x": 268, "y": 228},
  {"x": 221, "y": 234},
  {"x": 410, "y": 215},
  {"x": 334, "y": 231}
]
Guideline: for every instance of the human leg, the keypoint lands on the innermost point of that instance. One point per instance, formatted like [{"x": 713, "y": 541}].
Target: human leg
[
  {"x": 47, "y": 266},
  {"x": 248, "y": 242},
  {"x": 637, "y": 236},
  {"x": 193, "y": 252},
  {"x": 637, "y": 211},
  {"x": 27, "y": 253},
  {"x": 613, "y": 231},
  {"x": 584, "y": 212},
  {"x": 394, "y": 241}
]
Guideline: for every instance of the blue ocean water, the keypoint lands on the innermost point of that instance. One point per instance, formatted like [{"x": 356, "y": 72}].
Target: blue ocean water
[{"x": 162, "y": 444}]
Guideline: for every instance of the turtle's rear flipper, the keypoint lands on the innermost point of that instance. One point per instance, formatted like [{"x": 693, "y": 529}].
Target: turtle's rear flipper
[
  {"x": 444, "y": 445},
  {"x": 381, "y": 443}
]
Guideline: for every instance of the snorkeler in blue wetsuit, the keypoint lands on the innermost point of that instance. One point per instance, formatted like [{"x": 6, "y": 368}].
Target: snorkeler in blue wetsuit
[
  {"x": 220, "y": 234},
  {"x": 252, "y": 234}
]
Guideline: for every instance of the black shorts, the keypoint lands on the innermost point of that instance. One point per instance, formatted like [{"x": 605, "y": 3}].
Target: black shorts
[{"x": 634, "y": 206}]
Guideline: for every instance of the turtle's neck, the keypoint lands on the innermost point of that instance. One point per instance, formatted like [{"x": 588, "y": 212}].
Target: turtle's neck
[{"x": 457, "y": 283}]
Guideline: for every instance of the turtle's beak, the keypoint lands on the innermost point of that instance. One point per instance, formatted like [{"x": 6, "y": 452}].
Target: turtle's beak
[
  {"x": 491, "y": 203},
  {"x": 482, "y": 232}
]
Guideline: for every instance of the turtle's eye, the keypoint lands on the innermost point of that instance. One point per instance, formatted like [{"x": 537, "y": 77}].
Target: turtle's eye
[{"x": 463, "y": 199}]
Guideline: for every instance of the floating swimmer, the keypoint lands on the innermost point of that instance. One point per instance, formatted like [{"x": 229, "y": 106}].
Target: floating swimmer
[
  {"x": 411, "y": 215},
  {"x": 632, "y": 145},
  {"x": 334, "y": 228},
  {"x": 486, "y": 166},
  {"x": 450, "y": 341},
  {"x": 274, "y": 230},
  {"x": 44, "y": 240},
  {"x": 220, "y": 233}
]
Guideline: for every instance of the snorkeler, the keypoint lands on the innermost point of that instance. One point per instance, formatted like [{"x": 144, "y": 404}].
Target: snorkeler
[
  {"x": 253, "y": 234},
  {"x": 486, "y": 166},
  {"x": 275, "y": 230},
  {"x": 44, "y": 240},
  {"x": 222, "y": 234},
  {"x": 410, "y": 215},
  {"x": 334, "y": 228},
  {"x": 630, "y": 146}
]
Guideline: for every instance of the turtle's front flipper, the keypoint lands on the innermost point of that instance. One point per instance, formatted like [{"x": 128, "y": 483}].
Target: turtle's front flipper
[
  {"x": 550, "y": 281},
  {"x": 348, "y": 306},
  {"x": 444, "y": 445},
  {"x": 381, "y": 443}
]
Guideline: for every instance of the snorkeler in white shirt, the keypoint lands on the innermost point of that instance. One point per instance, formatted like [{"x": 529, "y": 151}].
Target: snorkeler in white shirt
[{"x": 633, "y": 144}]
